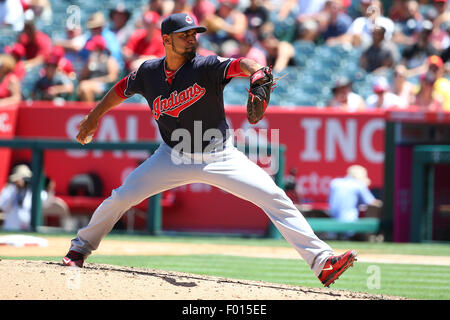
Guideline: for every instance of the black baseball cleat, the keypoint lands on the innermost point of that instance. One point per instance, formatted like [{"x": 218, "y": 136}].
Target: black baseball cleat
[
  {"x": 73, "y": 259},
  {"x": 335, "y": 266}
]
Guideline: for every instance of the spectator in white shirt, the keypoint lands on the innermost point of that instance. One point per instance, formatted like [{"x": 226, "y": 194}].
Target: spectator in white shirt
[
  {"x": 11, "y": 14},
  {"x": 382, "y": 98},
  {"x": 360, "y": 31},
  {"x": 15, "y": 199}
]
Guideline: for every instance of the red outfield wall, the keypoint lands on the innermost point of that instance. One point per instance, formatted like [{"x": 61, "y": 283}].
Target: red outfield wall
[
  {"x": 8, "y": 119},
  {"x": 320, "y": 143}
]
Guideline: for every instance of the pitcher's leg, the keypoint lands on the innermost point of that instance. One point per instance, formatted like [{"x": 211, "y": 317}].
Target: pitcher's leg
[
  {"x": 155, "y": 175},
  {"x": 243, "y": 178}
]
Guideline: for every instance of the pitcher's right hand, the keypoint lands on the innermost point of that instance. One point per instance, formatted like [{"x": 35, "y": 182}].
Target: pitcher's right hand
[{"x": 88, "y": 126}]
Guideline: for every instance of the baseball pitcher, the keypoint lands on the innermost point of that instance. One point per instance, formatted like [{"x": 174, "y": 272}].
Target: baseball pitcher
[{"x": 185, "y": 92}]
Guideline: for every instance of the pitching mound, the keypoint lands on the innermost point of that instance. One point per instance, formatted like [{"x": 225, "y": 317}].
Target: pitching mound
[{"x": 42, "y": 280}]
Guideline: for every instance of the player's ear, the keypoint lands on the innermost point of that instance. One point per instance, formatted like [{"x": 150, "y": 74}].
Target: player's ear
[{"x": 166, "y": 39}]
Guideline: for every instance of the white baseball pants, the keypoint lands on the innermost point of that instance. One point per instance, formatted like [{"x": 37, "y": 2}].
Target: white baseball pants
[{"x": 228, "y": 169}]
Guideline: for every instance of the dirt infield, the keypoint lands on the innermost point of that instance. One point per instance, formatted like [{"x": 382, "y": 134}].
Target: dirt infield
[{"x": 43, "y": 280}]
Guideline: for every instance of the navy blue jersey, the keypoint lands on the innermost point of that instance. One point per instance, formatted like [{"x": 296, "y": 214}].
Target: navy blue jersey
[{"x": 195, "y": 94}]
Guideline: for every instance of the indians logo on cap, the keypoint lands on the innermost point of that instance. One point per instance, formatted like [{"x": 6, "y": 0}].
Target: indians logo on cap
[{"x": 189, "y": 19}]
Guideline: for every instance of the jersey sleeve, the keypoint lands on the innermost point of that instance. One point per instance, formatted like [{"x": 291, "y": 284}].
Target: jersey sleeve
[
  {"x": 218, "y": 68},
  {"x": 131, "y": 84},
  {"x": 234, "y": 70}
]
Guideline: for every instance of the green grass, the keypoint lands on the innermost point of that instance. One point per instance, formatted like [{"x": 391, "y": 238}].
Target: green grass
[
  {"x": 432, "y": 249},
  {"x": 411, "y": 281}
]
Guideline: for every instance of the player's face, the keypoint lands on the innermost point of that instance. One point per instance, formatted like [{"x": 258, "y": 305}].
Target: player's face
[{"x": 184, "y": 43}]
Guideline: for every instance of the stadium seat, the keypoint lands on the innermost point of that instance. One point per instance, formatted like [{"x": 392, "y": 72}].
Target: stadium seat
[
  {"x": 341, "y": 51},
  {"x": 276, "y": 99},
  {"x": 304, "y": 50},
  {"x": 302, "y": 98},
  {"x": 7, "y": 37},
  {"x": 235, "y": 92},
  {"x": 305, "y": 47}
]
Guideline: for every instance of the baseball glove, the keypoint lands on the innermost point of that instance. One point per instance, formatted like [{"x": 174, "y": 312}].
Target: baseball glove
[{"x": 261, "y": 83}]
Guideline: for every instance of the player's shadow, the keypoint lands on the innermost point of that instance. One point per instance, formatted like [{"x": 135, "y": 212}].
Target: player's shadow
[
  {"x": 166, "y": 278},
  {"x": 173, "y": 281}
]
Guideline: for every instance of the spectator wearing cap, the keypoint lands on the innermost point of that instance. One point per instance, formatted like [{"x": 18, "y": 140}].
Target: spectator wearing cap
[
  {"x": 228, "y": 23},
  {"x": 15, "y": 199},
  {"x": 414, "y": 56},
  {"x": 119, "y": 17},
  {"x": 11, "y": 15},
  {"x": 10, "y": 91},
  {"x": 100, "y": 71},
  {"x": 442, "y": 84},
  {"x": 348, "y": 193},
  {"x": 73, "y": 44},
  {"x": 427, "y": 99},
  {"x": 53, "y": 84},
  {"x": 144, "y": 43},
  {"x": 382, "y": 98},
  {"x": 344, "y": 98},
  {"x": 64, "y": 64},
  {"x": 381, "y": 54},
  {"x": 37, "y": 45},
  {"x": 97, "y": 26},
  {"x": 18, "y": 52}
]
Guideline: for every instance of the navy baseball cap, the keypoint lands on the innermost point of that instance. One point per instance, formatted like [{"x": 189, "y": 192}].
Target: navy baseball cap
[{"x": 180, "y": 22}]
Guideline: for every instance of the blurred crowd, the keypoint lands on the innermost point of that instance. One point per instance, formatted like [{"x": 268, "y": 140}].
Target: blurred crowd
[{"x": 409, "y": 38}]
